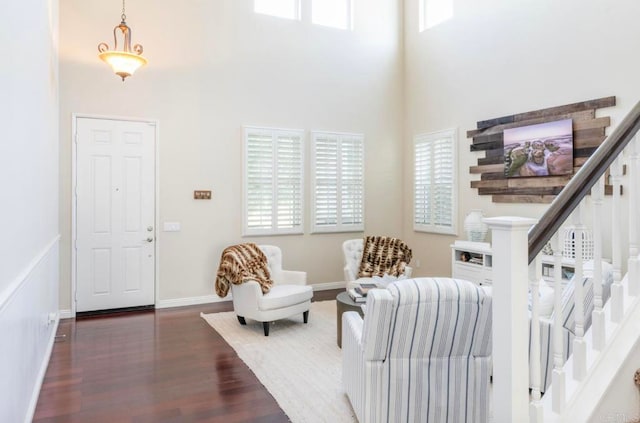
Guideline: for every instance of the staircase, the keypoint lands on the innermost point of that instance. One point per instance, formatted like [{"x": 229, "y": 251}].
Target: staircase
[{"x": 596, "y": 381}]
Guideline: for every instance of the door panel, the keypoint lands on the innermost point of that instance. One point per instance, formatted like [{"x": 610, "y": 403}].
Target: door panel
[{"x": 115, "y": 214}]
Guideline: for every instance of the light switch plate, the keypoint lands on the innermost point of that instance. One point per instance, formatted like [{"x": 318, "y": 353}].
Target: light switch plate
[
  {"x": 202, "y": 195},
  {"x": 171, "y": 226}
]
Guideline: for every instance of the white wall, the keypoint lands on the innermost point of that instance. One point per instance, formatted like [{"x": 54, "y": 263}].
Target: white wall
[
  {"x": 213, "y": 67},
  {"x": 29, "y": 186},
  {"x": 621, "y": 402},
  {"x": 497, "y": 58}
]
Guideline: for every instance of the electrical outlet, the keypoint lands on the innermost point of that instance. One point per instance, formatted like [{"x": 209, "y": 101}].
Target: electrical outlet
[
  {"x": 202, "y": 195},
  {"x": 171, "y": 226},
  {"x": 417, "y": 264}
]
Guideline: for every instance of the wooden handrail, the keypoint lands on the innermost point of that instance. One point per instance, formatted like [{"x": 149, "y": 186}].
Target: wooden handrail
[{"x": 586, "y": 177}]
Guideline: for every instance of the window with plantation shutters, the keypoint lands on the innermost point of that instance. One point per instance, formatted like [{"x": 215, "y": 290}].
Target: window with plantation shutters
[
  {"x": 434, "y": 195},
  {"x": 273, "y": 181},
  {"x": 337, "y": 179}
]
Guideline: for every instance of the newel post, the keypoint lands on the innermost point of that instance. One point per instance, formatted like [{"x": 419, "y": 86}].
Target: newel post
[{"x": 510, "y": 319}]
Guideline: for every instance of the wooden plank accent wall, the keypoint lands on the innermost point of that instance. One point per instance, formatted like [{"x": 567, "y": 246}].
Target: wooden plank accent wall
[{"x": 588, "y": 134}]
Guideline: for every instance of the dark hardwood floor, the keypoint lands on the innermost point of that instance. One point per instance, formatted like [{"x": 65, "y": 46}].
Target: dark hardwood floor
[{"x": 165, "y": 365}]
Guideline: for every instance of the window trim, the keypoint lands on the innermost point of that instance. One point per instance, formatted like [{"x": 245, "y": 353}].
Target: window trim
[
  {"x": 304, "y": 13},
  {"x": 430, "y": 137},
  {"x": 350, "y": 10},
  {"x": 273, "y": 230},
  {"x": 339, "y": 227},
  {"x": 424, "y": 23},
  {"x": 297, "y": 12}
]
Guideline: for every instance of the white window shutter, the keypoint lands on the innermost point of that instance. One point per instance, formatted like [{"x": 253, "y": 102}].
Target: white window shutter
[
  {"x": 325, "y": 168},
  {"x": 273, "y": 181},
  {"x": 289, "y": 186},
  {"x": 435, "y": 200},
  {"x": 337, "y": 182}
]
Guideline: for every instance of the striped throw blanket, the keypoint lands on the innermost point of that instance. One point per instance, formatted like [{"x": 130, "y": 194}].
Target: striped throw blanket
[
  {"x": 382, "y": 255},
  {"x": 240, "y": 263}
]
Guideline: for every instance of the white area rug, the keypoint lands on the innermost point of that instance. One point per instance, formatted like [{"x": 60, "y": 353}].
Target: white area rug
[{"x": 300, "y": 365}]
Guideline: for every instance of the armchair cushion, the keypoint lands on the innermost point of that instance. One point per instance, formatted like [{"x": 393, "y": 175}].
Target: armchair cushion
[
  {"x": 283, "y": 296},
  {"x": 352, "y": 250},
  {"x": 273, "y": 256},
  {"x": 545, "y": 298}
]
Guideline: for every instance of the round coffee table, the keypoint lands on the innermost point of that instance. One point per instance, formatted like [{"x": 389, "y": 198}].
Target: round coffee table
[{"x": 345, "y": 303}]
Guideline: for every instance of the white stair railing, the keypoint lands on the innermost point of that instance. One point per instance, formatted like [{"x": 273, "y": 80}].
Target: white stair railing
[
  {"x": 617, "y": 298},
  {"x": 634, "y": 205},
  {"x": 510, "y": 319},
  {"x": 510, "y": 296},
  {"x": 579, "y": 345},
  {"x": 598, "y": 318},
  {"x": 535, "y": 407},
  {"x": 559, "y": 378}
]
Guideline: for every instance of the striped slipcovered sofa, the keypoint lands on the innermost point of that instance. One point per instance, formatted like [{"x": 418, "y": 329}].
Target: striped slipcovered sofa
[{"x": 421, "y": 354}]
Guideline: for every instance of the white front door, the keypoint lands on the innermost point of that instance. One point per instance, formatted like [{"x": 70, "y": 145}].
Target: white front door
[{"x": 115, "y": 213}]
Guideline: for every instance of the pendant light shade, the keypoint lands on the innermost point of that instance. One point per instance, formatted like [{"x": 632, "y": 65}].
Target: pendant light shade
[{"x": 126, "y": 61}]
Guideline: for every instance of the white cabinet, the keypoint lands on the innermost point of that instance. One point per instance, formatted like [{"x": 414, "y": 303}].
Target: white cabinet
[
  {"x": 548, "y": 264},
  {"x": 568, "y": 268},
  {"x": 472, "y": 261}
]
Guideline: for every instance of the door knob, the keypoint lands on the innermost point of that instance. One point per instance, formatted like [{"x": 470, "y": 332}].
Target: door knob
[
  {"x": 150, "y": 239},
  {"x": 149, "y": 228}
]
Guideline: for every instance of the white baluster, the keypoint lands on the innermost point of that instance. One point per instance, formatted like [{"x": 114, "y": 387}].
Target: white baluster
[
  {"x": 558, "y": 375},
  {"x": 617, "y": 293},
  {"x": 598, "y": 317},
  {"x": 633, "y": 266},
  {"x": 510, "y": 318},
  {"x": 535, "y": 407},
  {"x": 579, "y": 345}
]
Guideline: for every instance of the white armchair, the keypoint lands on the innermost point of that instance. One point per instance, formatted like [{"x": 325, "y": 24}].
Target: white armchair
[
  {"x": 288, "y": 296},
  {"x": 421, "y": 354},
  {"x": 352, "y": 250}
]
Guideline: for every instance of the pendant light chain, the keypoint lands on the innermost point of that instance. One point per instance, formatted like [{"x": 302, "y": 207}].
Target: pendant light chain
[
  {"x": 127, "y": 60},
  {"x": 124, "y": 17}
]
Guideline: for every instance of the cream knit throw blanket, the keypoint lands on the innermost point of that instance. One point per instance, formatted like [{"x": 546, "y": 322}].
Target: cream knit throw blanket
[
  {"x": 382, "y": 255},
  {"x": 240, "y": 263}
]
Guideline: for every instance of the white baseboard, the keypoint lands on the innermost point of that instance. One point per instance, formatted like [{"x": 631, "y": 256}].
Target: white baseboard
[
  {"x": 42, "y": 372},
  {"x": 207, "y": 299},
  {"x": 328, "y": 285},
  {"x": 181, "y": 302},
  {"x": 66, "y": 314}
]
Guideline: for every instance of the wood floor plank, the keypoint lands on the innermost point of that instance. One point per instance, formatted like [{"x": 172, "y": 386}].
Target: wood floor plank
[{"x": 165, "y": 365}]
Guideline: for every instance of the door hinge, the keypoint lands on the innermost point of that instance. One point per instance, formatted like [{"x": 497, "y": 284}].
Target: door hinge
[{"x": 75, "y": 137}]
